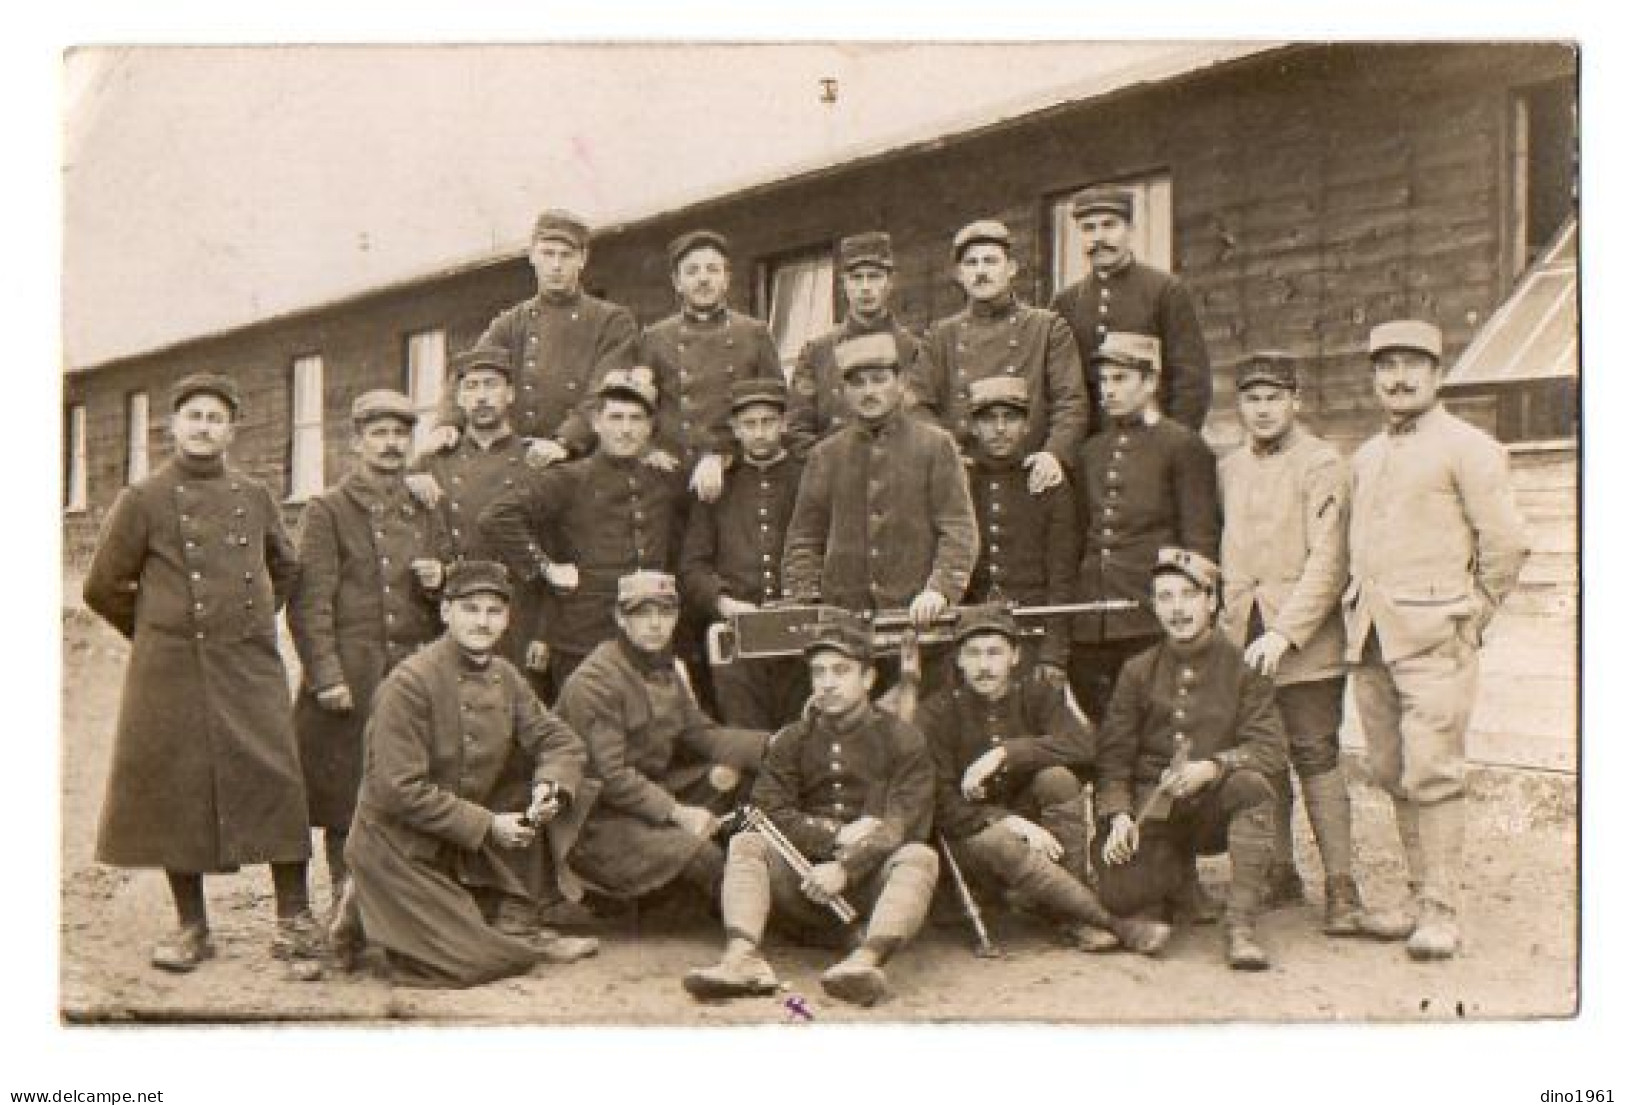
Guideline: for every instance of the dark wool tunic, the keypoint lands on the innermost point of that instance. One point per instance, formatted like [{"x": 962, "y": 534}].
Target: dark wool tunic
[
  {"x": 695, "y": 362},
  {"x": 442, "y": 728},
  {"x": 1208, "y": 695},
  {"x": 1034, "y": 723},
  {"x": 608, "y": 516},
  {"x": 883, "y": 513},
  {"x": 734, "y": 546},
  {"x": 1030, "y": 543},
  {"x": 560, "y": 347},
  {"x": 647, "y": 739},
  {"x": 192, "y": 567},
  {"x": 1011, "y": 339},
  {"x": 821, "y": 773},
  {"x": 1144, "y": 487},
  {"x": 1143, "y": 300},
  {"x": 817, "y": 401},
  {"x": 358, "y": 611}
]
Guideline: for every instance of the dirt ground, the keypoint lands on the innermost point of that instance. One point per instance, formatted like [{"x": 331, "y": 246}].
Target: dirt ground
[{"x": 1521, "y": 933}]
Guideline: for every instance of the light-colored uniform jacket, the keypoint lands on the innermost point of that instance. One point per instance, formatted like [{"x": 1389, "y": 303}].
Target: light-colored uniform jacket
[
  {"x": 1435, "y": 540},
  {"x": 1284, "y": 550}
]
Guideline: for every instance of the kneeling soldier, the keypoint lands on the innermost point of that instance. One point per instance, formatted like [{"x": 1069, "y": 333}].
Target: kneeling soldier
[
  {"x": 1191, "y": 739},
  {"x": 850, "y": 788},
  {"x": 663, "y": 763},
  {"x": 427, "y": 854},
  {"x": 1006, "y": 747}
]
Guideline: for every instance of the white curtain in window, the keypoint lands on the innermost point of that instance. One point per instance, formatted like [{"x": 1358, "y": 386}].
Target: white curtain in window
[
  {"x": 138, "y": 426},
  {"x": 1152, "y": 236},
  {"x": 78, "y": 460},
  {"x": 425, "y": 377},
  {"x": 305, "y": 476},
  {"x": 801, "y": 302}
]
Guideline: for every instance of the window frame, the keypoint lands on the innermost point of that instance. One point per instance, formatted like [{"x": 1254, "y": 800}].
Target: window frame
[
  {"x": 311, "y": 431},
  {"x": 766, "y": 270},
  {"x": 76, "y": 446},
  {"x": 1057, "y": 221},
  {"x": 137, "y": 446},
  {"x": 412, "y": 375}
]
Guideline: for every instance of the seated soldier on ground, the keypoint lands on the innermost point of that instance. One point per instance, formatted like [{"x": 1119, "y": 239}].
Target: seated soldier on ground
[
  {"x": 1189, "y": 745},
  {"x": 850, "y": 788},
  {"x": 666, "y": 768},
  {"x": 1006, "y": 747},
  {"x": 429, "y": 860}
]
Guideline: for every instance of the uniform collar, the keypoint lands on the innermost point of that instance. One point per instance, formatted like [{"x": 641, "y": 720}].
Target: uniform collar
[
  {"x": 717, "y": 316},
  {"x": 497, "y": 442},
  {"x": 1194, "y": 653},
  {"x": 848, "y": 722},
  {"x": 1003, "y": 307},
  {"x": 981, "y": 462},
  {"x": 1280, "y": 445},
  {"x": 1119, "y": 272},
  {"x": 1142, "y": 420},
  {"x": 764, "y": 465},
  {"x": 554, "y": 299},
  {"x": 372, "y": 491},
  {"x": 883, "y": 428},
  {"x": 1411, "y": 425},
  {"x": 199, "y": 468},
  {"x": 876, "y": 324},
  {"x": 657, "y": 666}
]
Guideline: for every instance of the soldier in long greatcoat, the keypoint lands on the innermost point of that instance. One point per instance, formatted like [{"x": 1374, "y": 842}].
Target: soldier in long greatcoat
[{"x": 192, "y": 567}]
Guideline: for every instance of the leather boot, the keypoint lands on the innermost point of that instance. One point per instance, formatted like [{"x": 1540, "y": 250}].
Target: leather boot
[
  {"x": 1443, "y": 828},
  {"x": 1284, "y": 885},
  {"x": 857, "y": 979},
  {"x": 1060, "y": 892},
  {"x": 742, "y": 972},
  {"x": 1399, "y": 922},
  {"x": 1326, "y": 799},
  {"x": 1191, "y": 903},
  {"x": 1344, "y": 914},
  {"x": 1251, "y": 840}
]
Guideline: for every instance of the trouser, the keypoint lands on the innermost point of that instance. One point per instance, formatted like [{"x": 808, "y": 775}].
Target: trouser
[
  {"x": 1415, "y": 713},
  {"x": 1094, "y": 667},
  {"x": 1053, "y": 797},
  {"x": 761, "y": 694},
  {"x": 996, "y": 855},
  {"x": 1236, "y": 815},
  {"x": 1312, "y": 713},
  {"x": 895, "y": 897}
]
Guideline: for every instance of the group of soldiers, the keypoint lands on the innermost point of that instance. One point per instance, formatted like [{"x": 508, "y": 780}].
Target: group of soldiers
[{"x": 504, "y": 711}]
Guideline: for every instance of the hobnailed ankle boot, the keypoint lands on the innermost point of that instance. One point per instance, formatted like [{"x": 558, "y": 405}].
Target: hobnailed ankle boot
[
  {"x": 1443, "y": 828},
  {"x": 1251, "y": 841},
  {"x": 1326, "y": 799}
]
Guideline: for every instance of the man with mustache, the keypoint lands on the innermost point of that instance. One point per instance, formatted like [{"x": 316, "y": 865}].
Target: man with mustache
[
  {"x": 192, "y": 566},
  {"x": 1006, "y": 748},
  {"x": 1187, "y": 751},
  {"x": 850, "y": 787},
  {"x": 432, "y": 860},
  {"x": 572, "y": 530},
  {"x": 998, "y": 335},
  {"x": 1122, "y": 293},
  {"x": 817, "y": 406},
  {"x": 696, "y": 355},
  {"x": 1029, "y": 553},
  {"x": 372, "y": 559},
  {"x": 1435, "y": 547},
  {"x": 732, "y": 551},
  {"x": 560, "y": 343},
  {"x": 884, "y": 517},
  {"x": 664, "y": 769}
]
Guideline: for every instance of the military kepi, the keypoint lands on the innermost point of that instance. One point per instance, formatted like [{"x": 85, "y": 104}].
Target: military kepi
[
  {"x": 840, "y": 631},
  {"x": 643, "y": 587},
  {"x": 492, "y": 357},
  {"x": 476, "y": 577},
  {"x": 758, "y": 389},
  {"x": 556, "y": 224},
  {"x": 370, "y": 406},
  {"x": 868, "y": 351},
  {"x": 1104, "y": 197},
  {"x": 977, "y": 620},
  {"x": 629, "y": 383},
  {"x": 1268, "y": 367},
  {"x": 684, "y": 244},
  {"x": 221, "y": 387},
  {"x": 982, "y": 230},
  {"x": 999, "y": 391},
  {"x": 1192, "y": 565},
  {"x": 869, "y": 248},
  {"x": 1120, "y": 347},
  {"x": 1408, "y": 334}
]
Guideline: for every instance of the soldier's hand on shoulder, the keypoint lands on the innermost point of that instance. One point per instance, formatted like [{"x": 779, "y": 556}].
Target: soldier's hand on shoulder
[
  {"x": 424, "y": 487},
  {"x": 508, "y": 830},
  {"x": 824, "y": 882},
  {"x": 563, "y": 578},
  {"x": 336, "y": 699},
  {"x": 661, "y": 461},
  {"x": 1122, "y": 841},
  {"x": 1043, "y": 472},
  {"x": 430, "y": 572},
  {"x": 707, "y": 479},
  {"x": 544, "y": 451},
  {"x": 442, "y": 439}
]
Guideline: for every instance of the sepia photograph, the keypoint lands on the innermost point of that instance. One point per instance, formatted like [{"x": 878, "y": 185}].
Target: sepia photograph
[{"x": 703, "y": 534}]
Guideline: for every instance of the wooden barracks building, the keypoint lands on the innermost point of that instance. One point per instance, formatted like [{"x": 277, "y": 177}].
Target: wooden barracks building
[{"x": 1304, "y": 192}]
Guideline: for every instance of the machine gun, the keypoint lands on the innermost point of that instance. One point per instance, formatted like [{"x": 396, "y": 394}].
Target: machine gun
[{"x": 783, "y": 630}]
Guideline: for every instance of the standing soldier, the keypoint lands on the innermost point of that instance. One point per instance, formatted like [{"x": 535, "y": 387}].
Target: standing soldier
[
  {"x": 430, "y": 856},
  {"x": 1029, "y": 552},
  {"x": 696, "y": 355},
  {"x": 371, "y": 559},
  {"x": 997, "y": 335},
  {"x": 818, "y": 404},
  {"x": 1435, "y": 546},
  {"x": 1008, "y": 748},
  {"x": 1121, "y": 293},
  {"x": 574, "y": 529},
  {"x": 849, "y": 786},
  {"x": 192, "y": 566},
  {"x": 1187, "y": 752},
  {"x": 560, "y": 344},
  {"x": 1285, "y": 561},
  {"x": 1146, "y": 483},
  {"x": 884, "y": 517},
  {"x": 662, "y": 764},
  {"x": 732, "y": 551}
]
